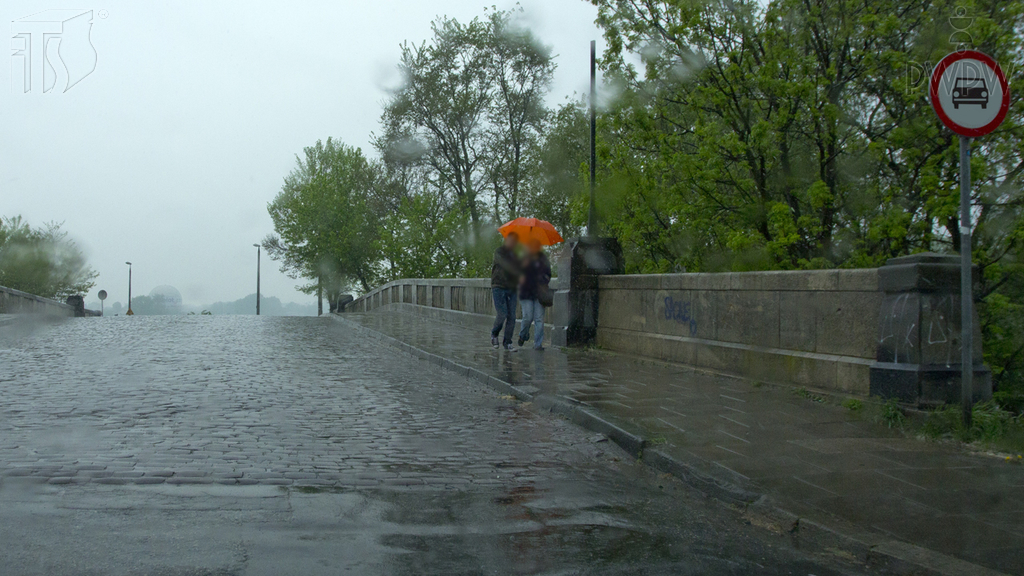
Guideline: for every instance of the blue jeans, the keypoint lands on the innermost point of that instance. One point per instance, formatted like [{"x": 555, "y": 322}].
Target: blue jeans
[
  {"x": 505, "y": 308},
  {"x": 533, "y": 312}
]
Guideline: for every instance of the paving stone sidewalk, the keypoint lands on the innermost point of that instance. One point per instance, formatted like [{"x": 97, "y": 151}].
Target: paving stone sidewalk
[{"x": 816, "y": 460}]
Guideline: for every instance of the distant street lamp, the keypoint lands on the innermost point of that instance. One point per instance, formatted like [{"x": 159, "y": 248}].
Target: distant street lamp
[
  {"x": 592, "y": 211},
  {"x": 129, "y": 312},
  {"x": 257, "y": 279}
]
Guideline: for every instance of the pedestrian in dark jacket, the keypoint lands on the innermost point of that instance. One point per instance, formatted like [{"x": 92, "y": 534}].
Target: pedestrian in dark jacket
[
  {"x": 536, "y": 276},
  {"x": 505, "y": 274}
]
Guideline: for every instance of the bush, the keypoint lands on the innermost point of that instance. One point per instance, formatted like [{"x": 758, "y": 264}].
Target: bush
[
  {"x": 892, "y": 415},
  {"x": 42, "y": 261},
  {"x": 991, "y": 425},
  {"x": 1011, "y": 400},
  {"x": 853, "y": 404}
]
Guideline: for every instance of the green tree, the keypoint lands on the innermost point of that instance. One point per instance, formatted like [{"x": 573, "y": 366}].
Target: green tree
[
  {"x": 785, "y": 134},
  {"x": 519, "y": 70},
  {"x": 151, "y": 306},
  {"x": 460, "y": 141},
  {"x": 441, "y": 109},
  {"x": 324, "y": 230},
  {"x": 563, "y": 169},
  {"x": 797, "y": 134},
  {"x": 42, "y": 261}
]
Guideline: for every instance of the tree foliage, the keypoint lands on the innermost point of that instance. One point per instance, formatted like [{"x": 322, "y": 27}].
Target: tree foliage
[
  {"x": 742, "y": 135},
  {"x": 460, "y": 150},
  {"x": 42, "y": 261},
  {"x": 461, "y": 140},
  {"x": 324, "y": 230},
  {"x": 797, "y": 134}
]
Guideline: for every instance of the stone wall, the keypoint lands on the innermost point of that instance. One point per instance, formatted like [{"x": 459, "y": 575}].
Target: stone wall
[
  {"x": 826, "y": 329},
  {"x": 462, "y": 295},
  {"x": 806, "y": 328},
  {"x": 18, "y": 302},
  {"x": 471, "y": 295},
  {"x": 457, "y": 300}
]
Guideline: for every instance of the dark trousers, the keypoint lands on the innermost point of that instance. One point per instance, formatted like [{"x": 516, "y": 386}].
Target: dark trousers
[{"x": 505, "y": 312}]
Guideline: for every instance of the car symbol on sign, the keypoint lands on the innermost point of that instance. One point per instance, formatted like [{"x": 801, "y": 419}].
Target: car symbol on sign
[{"x": 970, "y": 91}]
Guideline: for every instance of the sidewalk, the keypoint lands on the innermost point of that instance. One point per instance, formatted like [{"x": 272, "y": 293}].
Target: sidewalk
[{"x": 831, "y": 468}]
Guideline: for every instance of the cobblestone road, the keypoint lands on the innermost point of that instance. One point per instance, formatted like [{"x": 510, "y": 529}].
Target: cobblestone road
[
  {"x": 235, "y": 400},
  {"x": 434, "y": 473}
]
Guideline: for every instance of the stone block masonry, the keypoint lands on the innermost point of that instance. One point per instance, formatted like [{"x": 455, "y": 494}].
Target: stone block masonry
[
  {"x": 825, "y": 329},
  {"x": 17, "y": 302},
  {"x": 805, "y": 328}
]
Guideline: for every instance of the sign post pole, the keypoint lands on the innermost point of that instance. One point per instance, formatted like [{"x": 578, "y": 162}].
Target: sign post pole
[
  {"x": 971, "y": 96},
  {"x": 966, "y": 290}
]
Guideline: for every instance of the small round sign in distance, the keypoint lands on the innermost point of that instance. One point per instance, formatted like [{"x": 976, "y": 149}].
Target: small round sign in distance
[
  {"x": 969, "y": 92},
  {"x": 102, "y": 294}
]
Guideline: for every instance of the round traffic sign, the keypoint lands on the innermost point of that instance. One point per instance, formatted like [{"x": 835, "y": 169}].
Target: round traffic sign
[
  {"x": 969, "y": 93},
  {"x": 102, "y": 294}
]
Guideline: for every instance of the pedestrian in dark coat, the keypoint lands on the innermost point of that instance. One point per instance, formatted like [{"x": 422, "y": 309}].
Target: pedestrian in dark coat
[
  {"x": 505, "y": 275},
  {"x": 536, "y": 276}
]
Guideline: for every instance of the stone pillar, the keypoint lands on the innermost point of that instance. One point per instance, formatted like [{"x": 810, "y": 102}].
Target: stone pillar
[
  {"x": 918, "y": 350},
  {"x": 344, "y": 301},
  {"x": 580, "y": 262},
  {"x": 78, "y": 303}
]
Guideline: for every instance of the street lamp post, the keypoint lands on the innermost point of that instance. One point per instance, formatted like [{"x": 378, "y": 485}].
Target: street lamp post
[
  {"x": 129, "y": 312},
  {"x": 257, "y": 279},
  {"x": 592, "y": 211}
]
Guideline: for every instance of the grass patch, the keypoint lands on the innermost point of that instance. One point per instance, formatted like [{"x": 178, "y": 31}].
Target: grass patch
[
  {"x": 892, "y": 415},
  {"x": 991, "y": 426},
  {"x": 853, "y": 404},
  {"x": 805, "y": 393}
]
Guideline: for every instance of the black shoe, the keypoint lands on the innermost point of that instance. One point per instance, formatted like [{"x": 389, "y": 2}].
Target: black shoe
[
  {"x": 494, "y": 341},
  {"x": 521, "y": 341}
]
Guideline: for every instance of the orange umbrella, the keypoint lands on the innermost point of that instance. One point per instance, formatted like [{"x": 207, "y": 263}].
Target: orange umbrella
[{"x": 532, "y": 229}]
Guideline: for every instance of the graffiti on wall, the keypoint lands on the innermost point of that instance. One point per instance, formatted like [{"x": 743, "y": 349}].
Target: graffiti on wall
[
  {"x": 899, "y": 329},
  {"x": 682, "y": 312}
]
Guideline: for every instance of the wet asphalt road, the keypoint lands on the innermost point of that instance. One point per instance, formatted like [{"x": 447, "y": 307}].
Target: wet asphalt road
[{"x": 243, "y": 445}]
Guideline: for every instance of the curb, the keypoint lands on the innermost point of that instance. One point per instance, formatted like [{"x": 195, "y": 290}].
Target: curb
[{"x": 874, "y": 551}]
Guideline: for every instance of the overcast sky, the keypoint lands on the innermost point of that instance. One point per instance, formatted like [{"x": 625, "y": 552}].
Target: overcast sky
[{"x": 169, "y": 151}]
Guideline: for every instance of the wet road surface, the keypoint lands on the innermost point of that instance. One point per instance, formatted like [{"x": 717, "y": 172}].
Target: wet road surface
[{"x": 243, "y": 445}]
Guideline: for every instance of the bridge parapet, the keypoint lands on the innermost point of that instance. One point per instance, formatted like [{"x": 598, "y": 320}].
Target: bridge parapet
[
  {"x": 468, "y": 299},
  {"x": 815, "y": 328},
  {"x": 823, "y": 329},
  {"x": 17, "y": 302}
]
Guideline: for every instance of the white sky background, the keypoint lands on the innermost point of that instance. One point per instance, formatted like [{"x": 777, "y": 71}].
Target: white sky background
[{"x": 168, "y": 153}]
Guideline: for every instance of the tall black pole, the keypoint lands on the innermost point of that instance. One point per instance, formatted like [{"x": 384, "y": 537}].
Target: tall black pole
[
  {"x": 257, "y": 279},
  {"x": 319, "y": 297},
  {"x": 966, "y": 292},
  {"x": 129, "y": 312},
  {"x": 592, "y": 215}
]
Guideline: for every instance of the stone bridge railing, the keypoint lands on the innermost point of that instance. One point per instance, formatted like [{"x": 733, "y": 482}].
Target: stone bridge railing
[
  {"x": 469, "y": 296},
  {"x": 891, "y": 331},
  {"x": 17, "y": 302}
]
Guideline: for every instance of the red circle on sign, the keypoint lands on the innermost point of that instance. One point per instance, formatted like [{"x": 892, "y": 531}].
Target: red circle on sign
[{"x": 933, "y": 93}]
